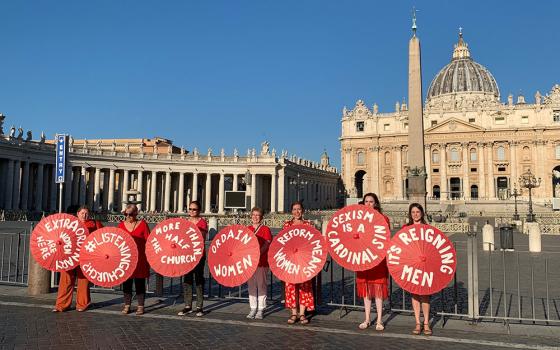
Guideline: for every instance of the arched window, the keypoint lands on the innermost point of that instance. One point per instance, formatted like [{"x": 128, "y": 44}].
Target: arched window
[
  {"x": 388, "y": 186},
  {"x": 361, "y": 158},
  {"x": 526, "y": 153},
  {"x": 501, "y": 153},
  {"x": 557, "y": 153},
  {"x": 473, "y": 155},
  {"x": 387, "y": 157},
  {"x": 435, "y": 156},
  {"x": 454, "y": 155},
  {"x": 435, "y": 191},
  {"x": 474, "y": 192}
]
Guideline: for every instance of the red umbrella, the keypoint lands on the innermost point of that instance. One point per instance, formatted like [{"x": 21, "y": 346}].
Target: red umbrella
[
  {"x": 358, "y": 237},
  {"x": 297, "y": 254},
  {"x": 233, "y": 255},
  {"x": 174, "y": 247},
  {"x": 109, "y": 257},
  {"x": 421, "y": 259},
  {"x": 56, "y": 241}
]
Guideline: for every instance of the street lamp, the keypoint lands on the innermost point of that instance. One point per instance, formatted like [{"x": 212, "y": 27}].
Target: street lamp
[
  {"x": 529, "y": 181},
  {"x": 515, "y": 193},
  {"x": 298, "y": 183}
]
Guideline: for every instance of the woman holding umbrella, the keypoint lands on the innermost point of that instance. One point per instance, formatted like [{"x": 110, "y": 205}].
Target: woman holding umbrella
[
  {"x": 139, "y": 231},
  {"x": 419, "y": 302},
  {"x": 68, "y": 278},
  {"x": 257, "y": 283},
  {"x": 372, "y": 283},
  {"x": 198, "y": 272},
  {"x": 301, "y": 292}
]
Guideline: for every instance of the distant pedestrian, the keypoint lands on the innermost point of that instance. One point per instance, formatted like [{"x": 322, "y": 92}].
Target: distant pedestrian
[
  {"x": 197, "y": 274},
  {"x": 419, "y": 302},
  {"x": 139, "y": 231},
  {"x": 257, "y": 284},
  {"x": 68, "y": 278}
]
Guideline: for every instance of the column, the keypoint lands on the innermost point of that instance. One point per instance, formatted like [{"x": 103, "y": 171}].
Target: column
[
  {"x": 194, "y": 191},
  {"x": 83, "y": 178},
  {"x": 273, "y": 192},
  {"x": 153, "y": 188},
  {"x": 253, "y": 190},
  {"x": 539, "y": 170},
  {"x": 481, "y": 173},
  {"x": 75, "y": 188},
  {"x": 281, "y": 188},
  {"x": 139, "y": 188},
  {"x": 54, "y": 188},
  {"x": 207, "y": 193},
  {"x": 235, "y": 180},
  {"x": 466, "y": 183},
  {"x": 490, "y": 177},
  {"x": 167, "y": 194},
  {"x": 125, "y": 188},
  {"x": 428, "y": 162},
  {"x": 221, "y": 193},
  {"x": 399, "y": 181},
  {"x": 25, "y": 186},
  {"x": 39, "y": 188},
  {"x": 513, "y": 163},
  {"x": 111, "y": 192},
  {"x": 9, "y": 185},
  {"x": 67, "y": 188},
  {"x": 443, "y": 171},
  {"x": 181, "y": 197},
  {"x": 16, "y": 184},
  {"x": 97, "y": 190},
  {"x": 374, "y": 178}
]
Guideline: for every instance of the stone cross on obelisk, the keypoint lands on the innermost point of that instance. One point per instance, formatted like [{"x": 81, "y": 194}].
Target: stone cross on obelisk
[{"x": 417, "y": 169}]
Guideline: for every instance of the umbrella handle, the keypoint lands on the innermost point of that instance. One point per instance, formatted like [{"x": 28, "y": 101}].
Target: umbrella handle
[{"x": 326, "y": 267}]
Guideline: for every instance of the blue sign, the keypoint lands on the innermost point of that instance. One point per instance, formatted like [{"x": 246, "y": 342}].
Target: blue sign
[{"x": 60, "y": 158}]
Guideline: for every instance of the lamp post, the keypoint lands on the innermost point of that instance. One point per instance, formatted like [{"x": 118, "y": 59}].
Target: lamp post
[
  {"x": 529, "y": 181},
  {"x": 298, "y": 183},
  {"x": 515, "y": 193}
]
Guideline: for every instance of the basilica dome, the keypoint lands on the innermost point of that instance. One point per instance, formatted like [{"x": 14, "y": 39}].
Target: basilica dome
[{"x": 463, "y": 75}]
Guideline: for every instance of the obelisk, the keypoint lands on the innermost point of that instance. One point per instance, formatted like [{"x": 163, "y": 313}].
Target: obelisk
[{"x": 417, "y": 169}]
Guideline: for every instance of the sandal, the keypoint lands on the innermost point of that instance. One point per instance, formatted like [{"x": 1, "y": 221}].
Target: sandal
[
  {"x": 185, "y": 311},
  {"x": 417, "y": 330},
  {"x": 126, "y": 310},
  {"x": 56, "y": 310},
  {"x": 303, "y": 319},
  {"x": 427, "y": 330},
  {"x": 292, "y": 319},
  {"x": 140, "y": 310},
  {"x": 364, "y": 325},
  {"x": 379, "y": 327}
]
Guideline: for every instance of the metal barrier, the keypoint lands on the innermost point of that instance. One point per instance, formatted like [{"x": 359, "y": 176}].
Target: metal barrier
[{"x": 14, "y": 253}]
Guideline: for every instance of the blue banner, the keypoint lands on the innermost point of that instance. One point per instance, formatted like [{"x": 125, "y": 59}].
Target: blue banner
[{"x": 60, "y": 158}]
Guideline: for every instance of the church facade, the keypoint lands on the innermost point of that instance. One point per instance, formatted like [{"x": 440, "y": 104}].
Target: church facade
[{"x": 476, "y": 147}]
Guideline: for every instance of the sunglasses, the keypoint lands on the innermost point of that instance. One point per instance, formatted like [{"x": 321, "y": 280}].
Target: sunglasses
[{"x": 194, "y": 209}]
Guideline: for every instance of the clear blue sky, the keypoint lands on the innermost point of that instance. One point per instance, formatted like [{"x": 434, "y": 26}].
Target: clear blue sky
[{"x": 234, "y": 73}]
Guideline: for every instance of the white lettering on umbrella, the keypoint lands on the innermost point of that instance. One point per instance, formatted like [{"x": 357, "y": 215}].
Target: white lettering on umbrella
[
  {"x": 124, "y": 263},
  {"x": 168, "y": 227},
  {"x": 217, "y": 243},
  {"x": 358, "y": 214},
  {"x": 47, "y": 247},
  {"x": 310, "y": 270},
  {"x": 238, "y": 268},
  {"x": 285, "y": 264},
  {"x": 412, "y": 275},
  {"x": 177, "y": 259},
  {"x": 297, "y": 232},
  {"x": 352, "y": 257}
]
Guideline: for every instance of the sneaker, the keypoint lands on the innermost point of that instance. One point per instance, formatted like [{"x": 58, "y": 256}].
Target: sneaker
[
  {"x": 259, "y": 315},
  {"x": 199, "y": 313},
  {"x": 252, "y": 313},
  {"x": 185, "y": 311}
]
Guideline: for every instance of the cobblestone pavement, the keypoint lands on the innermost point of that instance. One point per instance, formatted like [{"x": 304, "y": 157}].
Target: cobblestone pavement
[{"x": 29, "y": 326}]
